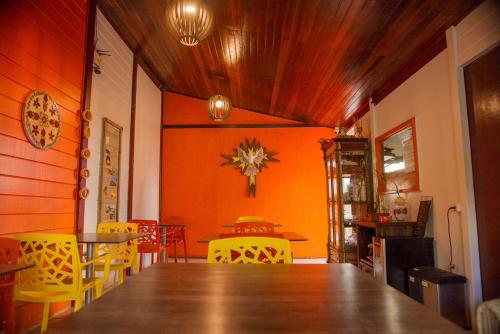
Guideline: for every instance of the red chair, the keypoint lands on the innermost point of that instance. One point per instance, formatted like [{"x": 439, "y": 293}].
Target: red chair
[
  {"x": 254, "y": 227},
  {"x": 176, "y": 233},
  {"x": 9, "y": 253},
  {"x": 150, "y": 242}
]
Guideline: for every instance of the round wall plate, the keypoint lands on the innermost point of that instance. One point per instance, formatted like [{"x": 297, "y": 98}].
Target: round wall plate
[{"x": 41, "y": 120}]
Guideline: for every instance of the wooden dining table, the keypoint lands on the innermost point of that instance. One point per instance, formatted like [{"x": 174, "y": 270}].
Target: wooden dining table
[
  {"x": 222, "y": 298},
  {"x": 233, "y": 224},
  {"x": 6, "y": 269},
  {"x": 89, "y": 239},
  {"x": 292, "y": 236}
]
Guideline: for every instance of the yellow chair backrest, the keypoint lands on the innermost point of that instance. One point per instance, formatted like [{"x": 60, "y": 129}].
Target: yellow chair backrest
[
  {"x": 125, "y": 251},
  {"x": 244, "y": 219},
  {"x": 250, "y": 250},
  {"x": 56, "y": 259}
]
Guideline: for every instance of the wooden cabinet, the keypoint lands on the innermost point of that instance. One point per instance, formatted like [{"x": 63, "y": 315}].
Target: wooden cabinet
[
  {"x": 394, "y": 256},
  {"x": 349, "y": 193}
]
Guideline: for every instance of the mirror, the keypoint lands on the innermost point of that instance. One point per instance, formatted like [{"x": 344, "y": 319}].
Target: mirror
[{"x": 397, "y": 159}]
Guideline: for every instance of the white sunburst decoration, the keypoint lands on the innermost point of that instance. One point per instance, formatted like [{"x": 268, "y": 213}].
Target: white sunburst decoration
[{"x": 249, "y": 158}]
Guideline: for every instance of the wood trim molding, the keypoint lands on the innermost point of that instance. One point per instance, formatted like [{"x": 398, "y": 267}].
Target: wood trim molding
[
  {"x": 85, "y": 105},
  {"x": 130, "y": 199},
  {"x": 160, "y": 193},
  {"x": 239, "y": 126}
]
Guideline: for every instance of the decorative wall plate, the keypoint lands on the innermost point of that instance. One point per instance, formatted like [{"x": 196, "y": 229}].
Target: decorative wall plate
[
  {"x": 86, "y": 132},
  {"x": 84, "y": 193},
  {"x": 41, "y": 120},
  {"x": 87, "y": 115},
  {"x": 85, "y": 154},
  {"x": 85, "y": 173}
]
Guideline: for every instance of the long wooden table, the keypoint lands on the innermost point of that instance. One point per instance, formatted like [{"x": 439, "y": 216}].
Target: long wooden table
[
  {"x": 220, "y": 298},
  {"x": 292, "y": 236},
  {"x": 6, "y": 269},
  {"x": 89, "y": 239}
]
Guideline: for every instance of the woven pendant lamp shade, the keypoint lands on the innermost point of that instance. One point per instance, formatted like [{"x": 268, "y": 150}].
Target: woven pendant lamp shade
[
  {"x": 219, "y": 107},
  {"x": 189, "y": 21}
]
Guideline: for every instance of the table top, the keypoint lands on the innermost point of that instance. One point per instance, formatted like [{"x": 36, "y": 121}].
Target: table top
[
  {"x": 375, "y": 224},
  {"x": 106, "y": 238},
  {"x": 171, "y": 225},
  {"x": 232, "y": 225},
  {"x": 292, "y": 236},
  {"x": 222, "y": 298},
  {"x": 6, "y": 269}
]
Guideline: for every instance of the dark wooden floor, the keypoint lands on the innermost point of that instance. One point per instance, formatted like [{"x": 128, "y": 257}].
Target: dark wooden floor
[{"x": 203, "y": 298}]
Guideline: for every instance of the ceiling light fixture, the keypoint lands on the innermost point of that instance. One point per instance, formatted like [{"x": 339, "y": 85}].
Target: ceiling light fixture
[
  {"x": 189, "y": 21},
  {"x": 219, "y": 107}
]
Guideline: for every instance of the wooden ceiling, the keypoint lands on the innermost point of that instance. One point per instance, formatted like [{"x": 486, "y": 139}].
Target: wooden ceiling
[{"x": 316, "y": 61}]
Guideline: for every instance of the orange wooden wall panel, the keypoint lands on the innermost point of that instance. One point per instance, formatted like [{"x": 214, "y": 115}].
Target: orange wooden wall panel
[
  {"x": 70, "y": 121},
  {"x": 180, "y": 109},
  {"x": 291, "y": 192},
  {"x": 42, "y": 47},
  {"x": 29, "y": 187},
  {"x": 57, "y": 222}
]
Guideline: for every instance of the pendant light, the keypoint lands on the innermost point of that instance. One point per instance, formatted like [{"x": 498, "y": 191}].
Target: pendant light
[
  {"x": 219, "y": 107},
  {"x": 189, "y": 21}
]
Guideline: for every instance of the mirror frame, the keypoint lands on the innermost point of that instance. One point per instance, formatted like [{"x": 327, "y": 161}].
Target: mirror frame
[{"x": 381, "y": 182}]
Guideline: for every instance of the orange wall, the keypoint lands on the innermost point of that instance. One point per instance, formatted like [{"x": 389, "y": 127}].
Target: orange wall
[
  {"x": 42, "y": 44},
  {"x": 195, "y": 186}
]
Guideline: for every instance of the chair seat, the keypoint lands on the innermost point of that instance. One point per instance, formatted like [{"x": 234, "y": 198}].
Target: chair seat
[
  {"x": 49, "y": 296},
  {"x": 89, "y": 283},
  {"x": 113, "y": 266}
]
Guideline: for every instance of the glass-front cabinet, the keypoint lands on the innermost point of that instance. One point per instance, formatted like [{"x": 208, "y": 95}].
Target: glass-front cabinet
[{"x": 349, "y": 193}]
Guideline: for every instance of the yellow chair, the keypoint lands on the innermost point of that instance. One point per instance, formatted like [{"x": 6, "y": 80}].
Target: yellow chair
[
  {"x": 245, "y": 219},
  {"x": 123, "y": 255},
  {"x": 250, "y": 250},
  {"x": 57, "y": 272}
]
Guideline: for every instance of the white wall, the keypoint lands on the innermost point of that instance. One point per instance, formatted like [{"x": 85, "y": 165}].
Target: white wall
[
  {"x": 110, "y": 97},
  {"x": 435, "y": 96},
  {"x": 471, "y": 38},
  {"x": 426, "y": 96},
  {"x": 147, "y": 149},
  {"x": 478, "y": 31}
]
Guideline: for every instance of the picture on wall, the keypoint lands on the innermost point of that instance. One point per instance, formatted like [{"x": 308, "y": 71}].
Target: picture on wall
[{"x": 109, "y": 185}]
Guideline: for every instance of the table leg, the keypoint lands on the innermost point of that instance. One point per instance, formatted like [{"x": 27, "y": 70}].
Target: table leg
[{"x": 89, "y": 272}]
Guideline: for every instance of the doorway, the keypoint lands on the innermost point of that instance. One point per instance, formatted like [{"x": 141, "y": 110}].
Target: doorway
[{"x": 482, "y": 84}]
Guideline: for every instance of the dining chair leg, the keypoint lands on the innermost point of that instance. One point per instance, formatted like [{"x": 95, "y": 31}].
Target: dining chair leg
[
  {"x": 45, "y": 317},
  {"x": 185, "y": 250},
  {"x": 175, "y": 251},
  {"x": 78, "y": 304},
  {"x": 120, "y": 276},
  {"x": 166, "y": 253},
  {"x": 10, "y": 327},
  {"x": 141, "y": 261}
]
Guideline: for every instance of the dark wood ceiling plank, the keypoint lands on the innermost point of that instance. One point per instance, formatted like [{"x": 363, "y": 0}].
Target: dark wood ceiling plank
[{"x": 315, "y": 61}]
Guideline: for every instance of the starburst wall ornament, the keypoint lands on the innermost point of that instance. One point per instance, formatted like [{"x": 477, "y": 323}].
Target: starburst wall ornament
[{"x": 250, "y": 158}]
